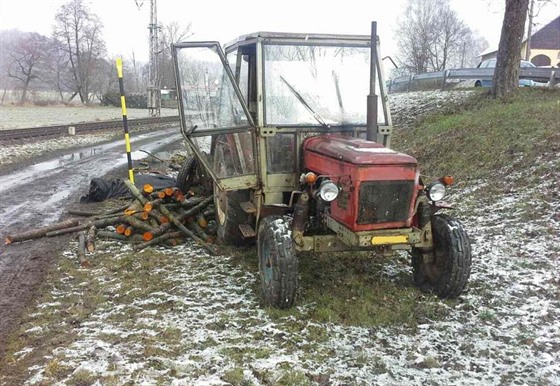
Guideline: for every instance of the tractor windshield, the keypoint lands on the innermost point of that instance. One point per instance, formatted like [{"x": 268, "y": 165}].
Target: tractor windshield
[{"x": 316, "y": 85}]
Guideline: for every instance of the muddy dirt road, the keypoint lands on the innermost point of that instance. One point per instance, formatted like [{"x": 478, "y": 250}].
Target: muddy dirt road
[{"x": 36, "y": 195}]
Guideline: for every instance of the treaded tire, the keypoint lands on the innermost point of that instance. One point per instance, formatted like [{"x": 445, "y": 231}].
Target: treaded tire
[
  {"x": 187, "y": 174},
  {"x": 451, "y": 267},
  {"x": 229, "y": 215},
  {"x": 277, "y": 262}
]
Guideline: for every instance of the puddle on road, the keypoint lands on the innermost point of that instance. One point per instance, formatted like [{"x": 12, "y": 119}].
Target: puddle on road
[
  {"x": 61, "y": 161},
  {"x": 57, "y": 164},
  {"x": 41, "y": 188}
]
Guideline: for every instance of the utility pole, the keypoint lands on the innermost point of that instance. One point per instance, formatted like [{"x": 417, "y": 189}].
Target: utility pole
[
  {"x": 154, "y": 93},
  {"x": 529, "y": 31}
]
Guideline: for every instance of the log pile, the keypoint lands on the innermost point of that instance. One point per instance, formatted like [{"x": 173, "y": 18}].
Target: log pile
[{"x": 166, "y": 217}]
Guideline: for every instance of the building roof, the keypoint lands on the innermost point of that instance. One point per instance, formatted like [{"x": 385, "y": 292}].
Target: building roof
[{"x": 548, "y": 37}]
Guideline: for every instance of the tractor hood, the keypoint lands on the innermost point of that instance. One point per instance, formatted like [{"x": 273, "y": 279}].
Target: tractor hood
[{"x": 356, "y": 151}]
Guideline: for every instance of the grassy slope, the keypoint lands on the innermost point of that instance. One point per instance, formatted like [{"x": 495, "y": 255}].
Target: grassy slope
[{"x": 485, "y": 136}]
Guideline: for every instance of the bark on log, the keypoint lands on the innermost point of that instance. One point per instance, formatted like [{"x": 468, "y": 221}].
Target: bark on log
[
  {"x": 83, "y": 213},
  {"x": 90, "y": 239},
  {"x": 110, "y": 235},
  {"x": 137, "y": 224},
  {"x": 36, "y": 233},
  {"x": 198, "y": 208},
  {"x": 64, "y": 231},
  {"x": 193, "y": 201},
  {"x": 198, "y": 230},
  {"x": 120, "y": 209},
  {"x": 135, "y": 192}
]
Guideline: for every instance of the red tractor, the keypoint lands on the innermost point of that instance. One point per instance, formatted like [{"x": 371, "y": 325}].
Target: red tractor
[{"x": 290, "y": 129}]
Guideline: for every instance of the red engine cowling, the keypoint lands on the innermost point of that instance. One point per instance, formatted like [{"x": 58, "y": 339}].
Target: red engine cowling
[{"x": 378, "y": 185}]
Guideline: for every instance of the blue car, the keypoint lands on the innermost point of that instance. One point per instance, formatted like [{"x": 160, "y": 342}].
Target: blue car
[{"x": 491, "y": 63}]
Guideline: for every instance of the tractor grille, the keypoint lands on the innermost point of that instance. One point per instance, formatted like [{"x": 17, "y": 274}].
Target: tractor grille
[{"x": 384, "y": 201}]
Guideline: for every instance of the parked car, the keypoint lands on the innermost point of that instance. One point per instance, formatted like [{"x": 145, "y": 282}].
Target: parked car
[{"x": 491, "y": 63}]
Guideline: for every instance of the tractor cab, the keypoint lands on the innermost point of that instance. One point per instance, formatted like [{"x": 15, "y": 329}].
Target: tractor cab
[{"x": 294, "y": 131}]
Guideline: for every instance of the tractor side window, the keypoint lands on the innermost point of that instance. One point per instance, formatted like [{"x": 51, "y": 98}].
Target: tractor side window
[
  {"x": 209, "y": 99},
  {"x": 228, "y": 155},
  {"x": 239, "y": 65},
  {"x": 280, "y": 154}
]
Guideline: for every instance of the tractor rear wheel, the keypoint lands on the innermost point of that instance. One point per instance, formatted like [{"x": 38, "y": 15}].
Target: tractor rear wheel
[
  {"x": 229, "y": 215},
  {"x": 277, "y": 262},
  {"x": 448, "y": 272},
  {"x": 187, "y": 174}
]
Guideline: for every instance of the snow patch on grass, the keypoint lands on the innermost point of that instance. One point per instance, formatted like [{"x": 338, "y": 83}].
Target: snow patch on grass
[{"x": 200, "y": 320}]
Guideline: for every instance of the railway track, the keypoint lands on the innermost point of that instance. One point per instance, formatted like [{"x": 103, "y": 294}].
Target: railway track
[{"x": 87, "y": 127}]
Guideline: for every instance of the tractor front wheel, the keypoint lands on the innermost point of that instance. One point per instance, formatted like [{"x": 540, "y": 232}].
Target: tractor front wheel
[
  {"x": 277, "y": 262},
  {"x": 447, "y": 272}
]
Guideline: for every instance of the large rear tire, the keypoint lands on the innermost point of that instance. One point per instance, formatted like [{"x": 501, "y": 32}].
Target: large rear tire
[
  {"x": 277, "y": 262},
  {"x": 229, "y": 215},
  {"x": 448, "y": 272},
  {"x": 186, "y": 174}
]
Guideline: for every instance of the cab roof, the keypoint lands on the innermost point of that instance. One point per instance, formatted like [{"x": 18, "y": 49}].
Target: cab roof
[{"x": 252, "y": 37}]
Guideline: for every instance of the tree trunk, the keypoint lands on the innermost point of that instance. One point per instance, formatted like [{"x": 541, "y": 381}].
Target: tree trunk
[{"x": 506, "y": 75}]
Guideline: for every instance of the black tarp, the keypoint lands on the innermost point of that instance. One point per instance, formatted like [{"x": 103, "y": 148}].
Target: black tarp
[{"x": 101, "y": 189}]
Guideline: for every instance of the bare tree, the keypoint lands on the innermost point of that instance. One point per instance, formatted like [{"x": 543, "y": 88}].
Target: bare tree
[
  {"x": 79, "y": 32},
  {"x": 506, "y": 75},
  {"x": 431, "y": 37},
  {"x": 7, "y": 39},
  {"x": 26, "y": 55},
  {"x": 172, "y": 33}
]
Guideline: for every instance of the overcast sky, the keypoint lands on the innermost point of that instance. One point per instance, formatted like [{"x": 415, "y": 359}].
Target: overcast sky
[{"x": 125, "y": 25}]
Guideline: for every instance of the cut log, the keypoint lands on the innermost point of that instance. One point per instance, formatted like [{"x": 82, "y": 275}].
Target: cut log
[
  {"x": 97, "y": 223},
  {"x": 147, "y": 189},
  {"x": 120, "y": 229},
  {"x": 201, "y": 221},
  {"x": 90, "y": 239},
  {"x": 36, "y": 233},
  {"x": 186, "y": 231},
  {"x": 128, "y": 231},
  {"x": 193, "y": 201},
  {"x": 82, "y": 250},
  {"x": 169, "y": 191},
  {"x": 157, "y": 240},
  {"x": 135, "y": 192},
  {"x": 198, "y": 230},
  {"x": 102, "y": 223},
  {"x": 198, "y": 208},
  {"x": 137, "y": 224},
  {"x": 83, "y": 213},
  {"x": 120, "y": 209},
  {"x": 150, "y": 205},
  {"x": 65, "y": 231}
]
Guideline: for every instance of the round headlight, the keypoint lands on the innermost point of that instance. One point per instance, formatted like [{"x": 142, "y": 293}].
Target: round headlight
[
  {"x": 328, "y": 191},
  {"x": 436, "y": 191}
]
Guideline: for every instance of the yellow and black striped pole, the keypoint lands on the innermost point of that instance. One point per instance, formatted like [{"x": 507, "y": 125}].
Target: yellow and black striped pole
[{"x": 125, "y": 120}]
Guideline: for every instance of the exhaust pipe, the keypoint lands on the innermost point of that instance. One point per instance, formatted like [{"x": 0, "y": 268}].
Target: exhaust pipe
[{"x": 371, "y": 134}]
